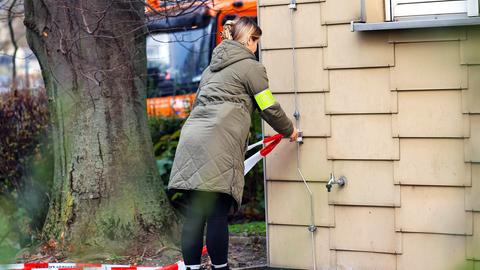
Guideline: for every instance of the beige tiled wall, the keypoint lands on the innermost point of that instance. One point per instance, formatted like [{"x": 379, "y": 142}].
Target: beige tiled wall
[
  {"x": 428, "y": 35},
  {"x": 341, "y": 11},
  {"x": 363, "y": 90},
  {"x": 469, "y": 47},
  {"x": 472, "y": 95},
  {"x": 347, "y": 50},
  {"x": 431, "y": 251},
  {"x": 286, "y": 211},
  {"x": 315, "y": 123},
  {"x": 308, "y": 20},
  {"x": 365, "y": 229},
  {"x": 433, "y": 162},
  {"x": 282, "y": 163},
  {"x": 290, "y": 246},
  {"x": 473, "y": 242},
  {"x": 428, "y": 65},
  {"x": 433, "y": 210},
  {"x": 365, "y": 260},
  {"x": 396, "y": 112},
  {"x": 284, "y": 2},
  {"x": 365, "y": 178},
  {"x": 473, "y": 193},
  {"x": 430, "y": 114},
  {"x": 473, "y": 142},
  {"x": 311, "y": 75},
  {"x": 362, "y": 137}
]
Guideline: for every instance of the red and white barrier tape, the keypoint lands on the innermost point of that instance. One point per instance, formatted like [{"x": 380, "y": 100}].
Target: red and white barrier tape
[
  {"x": 180, "y": 265},
  {"x": 77, "y": 266},
  {"x": 249, "y": 163},
  {"x": 255, "y": 158}
]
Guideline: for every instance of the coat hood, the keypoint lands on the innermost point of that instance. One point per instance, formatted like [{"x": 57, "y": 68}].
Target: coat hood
[{"x": 227, "y": 53}]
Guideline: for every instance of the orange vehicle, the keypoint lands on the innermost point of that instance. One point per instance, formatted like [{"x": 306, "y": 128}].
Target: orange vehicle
[{"x": 179, "y": 47}]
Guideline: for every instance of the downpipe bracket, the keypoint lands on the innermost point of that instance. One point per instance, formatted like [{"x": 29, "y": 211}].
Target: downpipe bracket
[
  {"x": 292, "y": 5},
  {"x": 296, "y": 114},
  {"x": 300, "y": 137}
]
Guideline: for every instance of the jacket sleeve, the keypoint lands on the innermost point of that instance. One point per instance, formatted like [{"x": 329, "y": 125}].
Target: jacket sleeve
[{"x": 270, "y": 110}]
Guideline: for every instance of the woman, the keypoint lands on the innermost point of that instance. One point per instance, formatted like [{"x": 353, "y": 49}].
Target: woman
[{"x": 208, "y": 163}]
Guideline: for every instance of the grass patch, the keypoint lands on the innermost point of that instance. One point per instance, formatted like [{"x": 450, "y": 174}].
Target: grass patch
[{"x": 255, "y": 228}]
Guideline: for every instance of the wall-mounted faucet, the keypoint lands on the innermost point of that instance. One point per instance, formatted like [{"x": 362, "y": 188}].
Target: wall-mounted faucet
[{"x": 340, "y": 182}]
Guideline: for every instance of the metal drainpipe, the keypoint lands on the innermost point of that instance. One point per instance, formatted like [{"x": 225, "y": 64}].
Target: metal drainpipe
[
  {"x": 312, "y": 228},
  {"x": 265, "y": 187}
]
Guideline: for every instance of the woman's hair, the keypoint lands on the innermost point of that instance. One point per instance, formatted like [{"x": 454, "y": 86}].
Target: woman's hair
[{"x": 241, "y": 29}]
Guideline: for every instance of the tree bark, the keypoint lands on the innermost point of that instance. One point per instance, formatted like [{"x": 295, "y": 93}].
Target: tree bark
[
  {"x": 107, "y": 192},
  {"x": 10, "y": 18}
]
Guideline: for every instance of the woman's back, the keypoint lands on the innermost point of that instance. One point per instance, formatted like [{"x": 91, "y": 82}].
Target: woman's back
[
  {"x": 214, "y": 136},
  {"x": 210, "y": 153},
  {"x": 212, "y": 145}
]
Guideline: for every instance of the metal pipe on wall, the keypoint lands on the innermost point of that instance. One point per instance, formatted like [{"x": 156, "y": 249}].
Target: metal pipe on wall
[
  {"x": 312, "y": 228},
  {"x": 265, "y": 186}
]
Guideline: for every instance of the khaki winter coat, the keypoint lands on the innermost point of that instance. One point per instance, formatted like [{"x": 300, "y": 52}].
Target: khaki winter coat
[{"x": 212, "y": 145}]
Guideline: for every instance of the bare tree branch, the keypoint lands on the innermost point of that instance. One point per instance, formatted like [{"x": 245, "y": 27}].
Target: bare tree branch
[{"x": 14, "y": 43}]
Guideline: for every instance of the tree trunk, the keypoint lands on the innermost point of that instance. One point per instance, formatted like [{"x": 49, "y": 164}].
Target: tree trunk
[
  {"x": 107, "y": 192},
  {"x": 10, "y": 18}
]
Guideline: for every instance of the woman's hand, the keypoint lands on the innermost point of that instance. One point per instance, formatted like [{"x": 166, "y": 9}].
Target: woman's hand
[{"x": 294, "y": 135}]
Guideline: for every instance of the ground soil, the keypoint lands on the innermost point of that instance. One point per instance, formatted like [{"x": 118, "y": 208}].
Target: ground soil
[{"x": 245, "y": 251}]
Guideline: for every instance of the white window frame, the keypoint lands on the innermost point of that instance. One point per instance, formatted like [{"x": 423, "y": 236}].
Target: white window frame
[{"x": 396, "y": 10}]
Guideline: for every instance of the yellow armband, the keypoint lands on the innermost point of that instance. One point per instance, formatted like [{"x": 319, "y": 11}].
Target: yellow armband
[{"x": 265, "y": 99}]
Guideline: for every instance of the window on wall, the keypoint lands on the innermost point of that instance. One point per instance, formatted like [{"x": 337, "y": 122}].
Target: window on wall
[
  {"x": 397, "y": 10},
  {"x": 405, "y": 14}
]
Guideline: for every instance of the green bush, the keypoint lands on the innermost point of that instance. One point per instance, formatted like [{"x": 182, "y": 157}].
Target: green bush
[
  {"x": 9, "y": 239},
  {"x": 165, "y": 133},
  {"x": 26, "y": 169},
  {"x": 23, "y": 121}
]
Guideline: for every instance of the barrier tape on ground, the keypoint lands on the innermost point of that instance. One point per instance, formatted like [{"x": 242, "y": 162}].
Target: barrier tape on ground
[
  {"x": 255, "y": 158},
  {"x": 180, "y": 265},
  {"x": 76, "y": 266}
]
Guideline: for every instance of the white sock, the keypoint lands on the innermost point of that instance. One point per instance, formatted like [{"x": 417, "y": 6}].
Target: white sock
[
  {"x": 194, "y": 267},
  {"x": 220, "y": 265}
]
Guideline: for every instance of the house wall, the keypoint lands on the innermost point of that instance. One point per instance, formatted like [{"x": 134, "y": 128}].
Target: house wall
[{"x": 396, "y": 112}]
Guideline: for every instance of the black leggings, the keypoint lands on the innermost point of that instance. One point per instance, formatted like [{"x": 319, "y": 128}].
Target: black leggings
[{"x": 212, "y": 208}]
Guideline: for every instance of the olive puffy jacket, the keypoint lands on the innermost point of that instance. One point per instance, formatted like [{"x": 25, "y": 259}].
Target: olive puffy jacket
[{"x": 212, "y": 145}]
